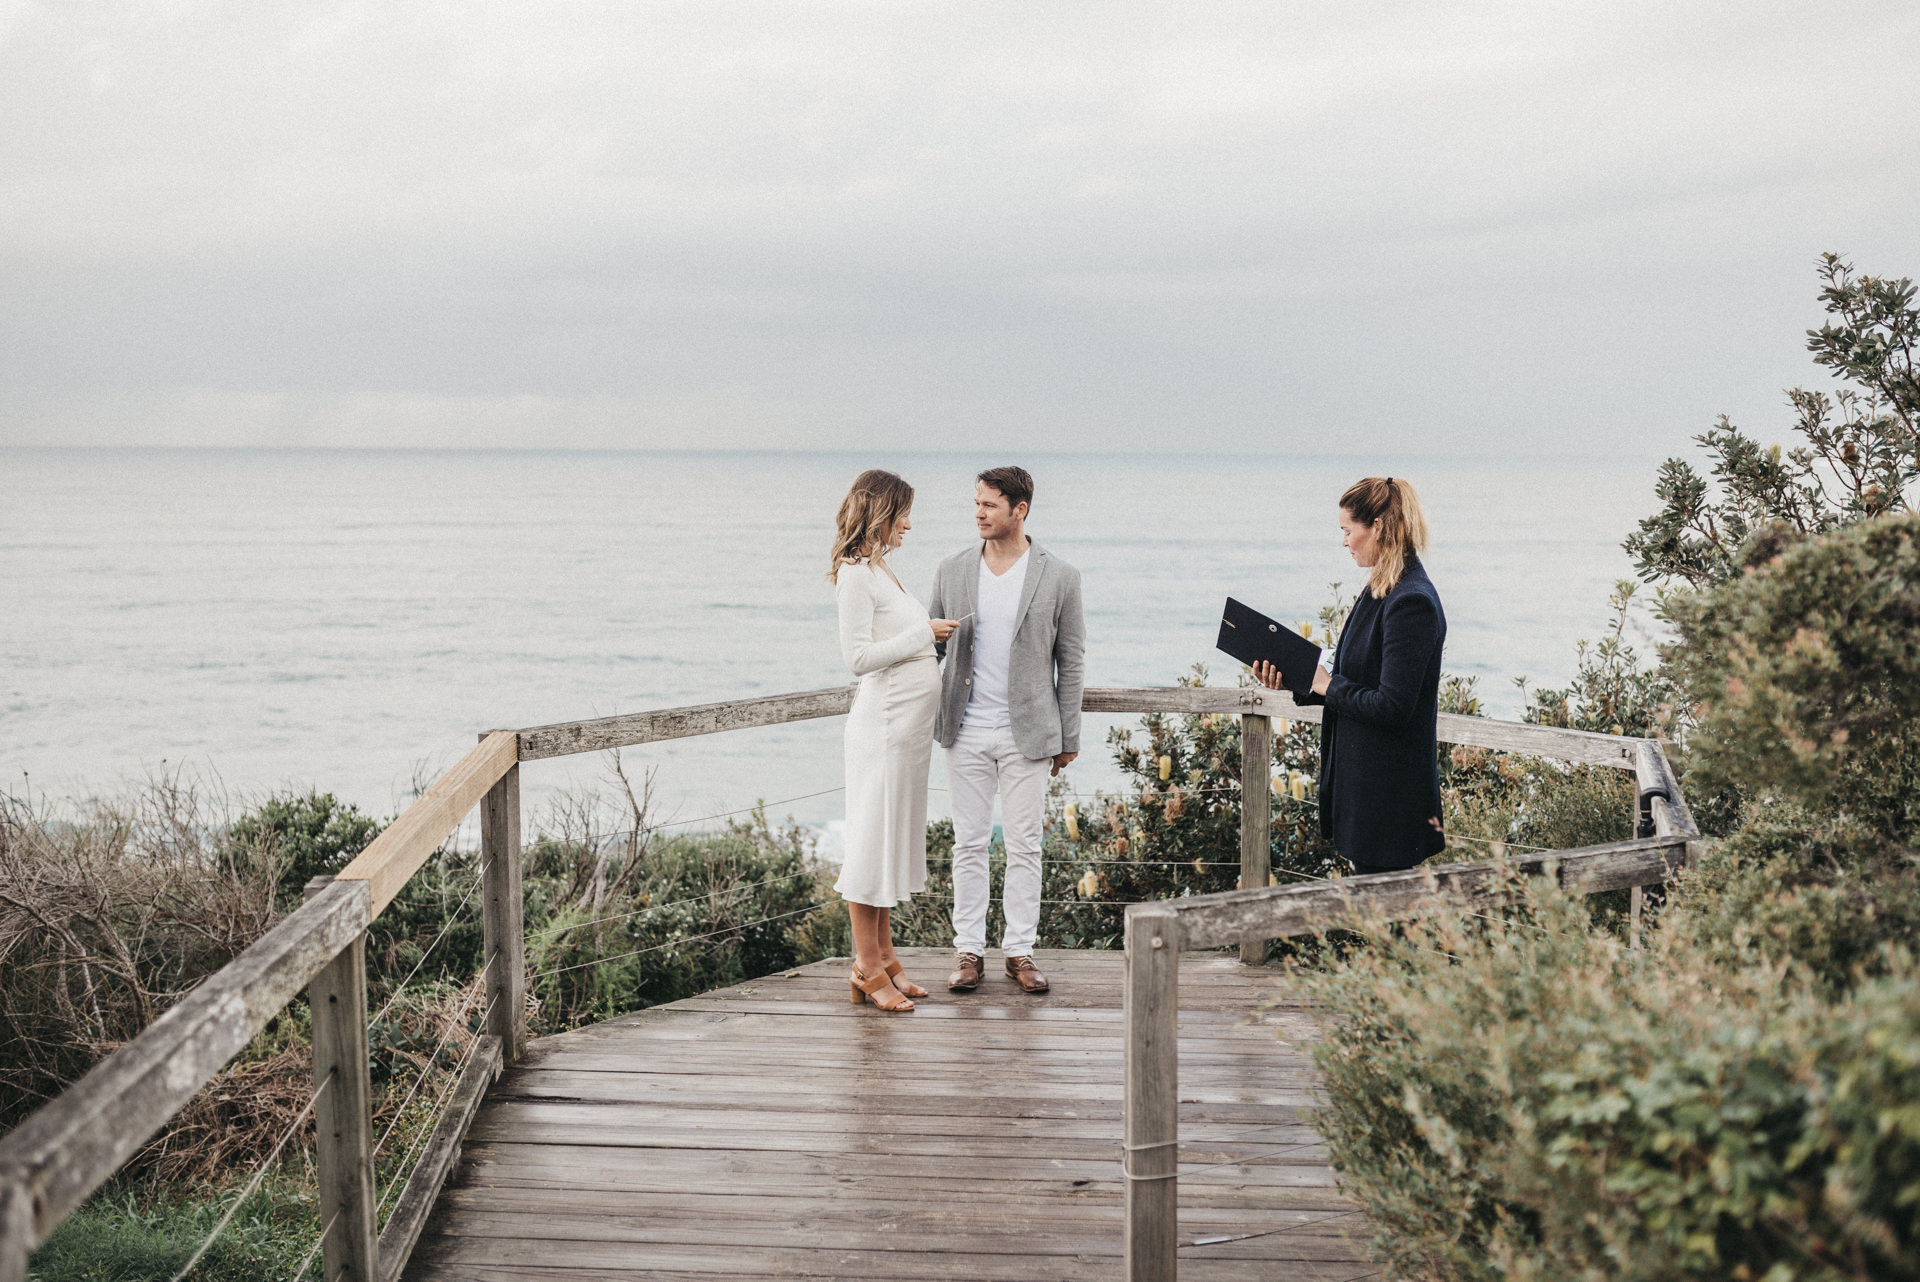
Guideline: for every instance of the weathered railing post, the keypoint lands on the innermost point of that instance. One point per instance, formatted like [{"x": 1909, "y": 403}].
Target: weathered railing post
[
  {"x": 1256, "y": 816},
  {"x": 504, "y": 938},
  {"x": 1151, "y": 1157},
  {"x": 16, "y": 1227},
  {"x": 343, "y": 1116}
]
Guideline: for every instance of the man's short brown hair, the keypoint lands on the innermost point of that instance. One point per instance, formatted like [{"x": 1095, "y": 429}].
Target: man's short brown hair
[{"x": 1012, "y": 482}]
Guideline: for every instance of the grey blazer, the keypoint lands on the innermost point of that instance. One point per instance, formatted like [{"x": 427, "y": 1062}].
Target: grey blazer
[{"x": 1047, "y": 670}]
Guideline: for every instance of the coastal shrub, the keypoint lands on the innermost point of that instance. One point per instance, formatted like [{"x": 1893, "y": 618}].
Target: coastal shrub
[
  {"x": 1612, "y": 691},
  {"x": 293, "y": 839},
  {"x": 1858, "y": 457},
  {"x": 116, "y": 908},
  {"x": 701, "y": 911},
  {"x": 1824, "y": 895},
  {"x": 1528, "y": 1099},
  {"x": 113, "y": 909},
  {"x": 1517, "y": 1095},
  {"x": 1805, "y": 671}
]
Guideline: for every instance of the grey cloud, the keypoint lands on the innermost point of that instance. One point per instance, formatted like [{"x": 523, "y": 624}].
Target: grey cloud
[{"x": 1236, "y": 226}]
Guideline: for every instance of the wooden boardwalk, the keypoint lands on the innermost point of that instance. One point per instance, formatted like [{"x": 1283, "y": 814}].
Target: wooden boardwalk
[{"x": 775, "y": 1130}]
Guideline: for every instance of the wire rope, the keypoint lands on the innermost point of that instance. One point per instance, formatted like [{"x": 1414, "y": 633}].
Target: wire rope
[
  {"x": 453, "y": 1080},
  {"x": 674, "y": 943},
  {"x": 452, "y": 921},
  {"x": 453, "y": 1026},
  {"x": 1285, "y": 1228},
  {"x": 318, "y": 1242},
  {"x": 254, "y": 1182},
  {"x": 654, "y": 908}
]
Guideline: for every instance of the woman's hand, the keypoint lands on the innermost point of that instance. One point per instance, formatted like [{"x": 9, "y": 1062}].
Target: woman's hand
[
  {"x": 1269, "y": 676},
  {"x": 943, "y": 628}
]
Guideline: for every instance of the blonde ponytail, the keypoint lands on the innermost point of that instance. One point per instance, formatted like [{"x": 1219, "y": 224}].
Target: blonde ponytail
[{"x": 1395, "y": 504}]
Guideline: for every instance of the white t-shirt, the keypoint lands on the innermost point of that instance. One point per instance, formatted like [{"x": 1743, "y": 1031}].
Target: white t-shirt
[{"x": 996, "y": 618}]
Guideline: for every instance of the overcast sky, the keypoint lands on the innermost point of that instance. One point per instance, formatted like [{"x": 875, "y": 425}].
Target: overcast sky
[{"x": 1218, "y": 227}]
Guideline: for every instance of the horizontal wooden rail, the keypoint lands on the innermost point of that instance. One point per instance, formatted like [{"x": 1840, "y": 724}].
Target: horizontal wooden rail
[
  {"x": 63, "y": 1152},
  {"x": 564, "y": 738},
  {"x": 68, "y": 1148},
  {"x": 1209, "y": 921},
  {"x": 1156, "y": 931},
  {"x": 391, "y": 859}
]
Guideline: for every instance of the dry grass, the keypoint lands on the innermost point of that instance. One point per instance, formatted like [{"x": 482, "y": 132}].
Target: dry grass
[{"x": 109, "y": 912}]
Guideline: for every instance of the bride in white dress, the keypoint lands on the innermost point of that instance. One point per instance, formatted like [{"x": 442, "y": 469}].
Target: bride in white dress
[{"x": 887, "y": 639}]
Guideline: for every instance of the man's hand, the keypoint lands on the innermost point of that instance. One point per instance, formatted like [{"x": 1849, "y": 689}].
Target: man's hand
[
  {"x": 943, "y": 628},
  {"x": 1062, "y": 760}
]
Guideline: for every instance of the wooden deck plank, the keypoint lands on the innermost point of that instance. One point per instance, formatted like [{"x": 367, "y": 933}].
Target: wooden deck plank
[{"x": 773, "y": 1129}]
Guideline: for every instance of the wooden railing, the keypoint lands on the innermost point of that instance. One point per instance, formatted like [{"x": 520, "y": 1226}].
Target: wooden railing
[
  {"x": 54, "y": 1160},
  {"x": 1666, "y": 839}
]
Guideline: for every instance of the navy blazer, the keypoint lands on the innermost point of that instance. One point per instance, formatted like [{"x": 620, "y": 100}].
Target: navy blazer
[{"x": 1379, "y": 765}]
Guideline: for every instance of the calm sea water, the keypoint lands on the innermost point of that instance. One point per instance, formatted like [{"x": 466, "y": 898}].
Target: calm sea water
[{"x": 347, "y": 620}]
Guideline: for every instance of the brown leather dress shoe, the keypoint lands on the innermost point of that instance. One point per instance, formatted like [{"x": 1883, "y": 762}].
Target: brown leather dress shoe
[
  {"x": 967, "y": 970},
  {"x": 1022, "y": 971}
]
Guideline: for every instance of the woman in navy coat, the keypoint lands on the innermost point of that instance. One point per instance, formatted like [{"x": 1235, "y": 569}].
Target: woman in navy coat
[{"x": 1379, "y": 770}]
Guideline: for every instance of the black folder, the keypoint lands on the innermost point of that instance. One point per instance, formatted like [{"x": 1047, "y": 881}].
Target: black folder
[{"x": 1252, "y": 637}]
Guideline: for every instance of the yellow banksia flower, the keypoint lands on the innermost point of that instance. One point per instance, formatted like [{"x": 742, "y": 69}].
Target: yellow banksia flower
[
  {"x": 1298, "y": 786},
  {"x": 1282, "y": 727},
  {"x": 1280, "y": 785},
  {"x": 1073, "y": 822},
  {"x": 1306, "y": 630},
  {"x": 1088, "y": 885},
  {"x": 1166, "y": 769}
]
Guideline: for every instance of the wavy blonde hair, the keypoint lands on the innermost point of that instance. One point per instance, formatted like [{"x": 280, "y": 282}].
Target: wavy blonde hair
[
  {"x": 868, "y": 514},
  {"x": 1403, "y": 525}
]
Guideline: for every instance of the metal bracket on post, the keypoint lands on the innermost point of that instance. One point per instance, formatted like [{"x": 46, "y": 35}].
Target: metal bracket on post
[
  {"x": 1150, "y": 1160},
  {"x": 504, "y": 915},
  {"x": 1256, "y": 817},
  {"x": 343, "y": 1112}
]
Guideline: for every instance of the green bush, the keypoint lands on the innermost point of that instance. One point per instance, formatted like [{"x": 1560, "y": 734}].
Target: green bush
[
  {"x": 1519, "y": 1096},
  {"x": 692, "y": 913},
  {"x": 292, "y": 839},
  {"x": 1806, "y": 672},
  {"x": 1858, "y": 457},
  {"x": 1528, "y": 1099}
]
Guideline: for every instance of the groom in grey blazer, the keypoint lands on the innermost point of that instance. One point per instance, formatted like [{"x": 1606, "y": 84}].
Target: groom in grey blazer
[{"x": 1009, "y": 714}]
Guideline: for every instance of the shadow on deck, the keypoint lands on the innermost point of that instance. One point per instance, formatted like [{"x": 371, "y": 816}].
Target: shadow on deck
[{"x": 775, "y": 1130}]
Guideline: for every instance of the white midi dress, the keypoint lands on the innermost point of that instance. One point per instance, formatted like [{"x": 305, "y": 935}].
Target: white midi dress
[{"x": 887, "y": 640}]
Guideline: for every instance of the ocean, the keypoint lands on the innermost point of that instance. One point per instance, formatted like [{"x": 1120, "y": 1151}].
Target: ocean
[{"x": 348, "y": 620}]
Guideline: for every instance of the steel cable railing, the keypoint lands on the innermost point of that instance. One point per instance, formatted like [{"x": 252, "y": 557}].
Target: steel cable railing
[
  {"x": 671, "y": 903},
  {"x": 452, "y": 921},
  {"x": 675, "y": 943},
  {"x": 453, "y": 1024},
  {"x": 453, "y": 1080},
  {"x": 253, "y": 1182}
]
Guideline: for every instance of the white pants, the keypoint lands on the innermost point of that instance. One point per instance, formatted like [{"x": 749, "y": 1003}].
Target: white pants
[{"x": 980, "y": 764}]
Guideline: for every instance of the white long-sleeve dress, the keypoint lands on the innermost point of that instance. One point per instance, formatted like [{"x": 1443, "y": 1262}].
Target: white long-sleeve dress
[{"x": 887, "y": 640}]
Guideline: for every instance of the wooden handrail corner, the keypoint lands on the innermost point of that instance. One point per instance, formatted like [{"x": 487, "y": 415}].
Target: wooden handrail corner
[{"x": 391, "y": 859}]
